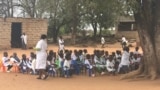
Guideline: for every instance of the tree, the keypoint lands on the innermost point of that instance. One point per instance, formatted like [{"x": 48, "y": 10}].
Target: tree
[
  {"x": 101, "y": 14},
  {"x": 58, "y": 17},
  {"x": 6, "y": 8},
  {"x": 28, "y": 7},
  {"x": 147, "y": 17}
]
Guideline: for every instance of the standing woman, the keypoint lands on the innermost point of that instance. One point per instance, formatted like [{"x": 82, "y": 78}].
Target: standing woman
[
  {"x": 41, "y": 56},
  {"x": 61, "y": 43}
]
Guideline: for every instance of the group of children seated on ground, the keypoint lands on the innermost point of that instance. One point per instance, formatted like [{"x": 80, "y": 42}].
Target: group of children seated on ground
[{"x": 68, "y": 62}]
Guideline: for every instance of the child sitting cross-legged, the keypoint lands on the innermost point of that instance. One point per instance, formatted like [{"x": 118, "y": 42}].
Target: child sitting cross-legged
[
  {"x": 24, "y": 64},
  {"x": 89, "y": 65},
  {"x": 110, "y": 65},
  {"x": 6, "y": 61}
]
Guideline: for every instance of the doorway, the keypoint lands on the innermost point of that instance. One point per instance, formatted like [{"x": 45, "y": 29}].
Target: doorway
[{"x": 16, "y": 30}]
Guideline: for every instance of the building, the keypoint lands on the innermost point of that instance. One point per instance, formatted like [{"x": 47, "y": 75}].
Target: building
[
  {"x": 12, "y": 28},
  {"x": 127, "y": 27}
]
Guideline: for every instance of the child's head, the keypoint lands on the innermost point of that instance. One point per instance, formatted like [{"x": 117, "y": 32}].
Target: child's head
[
  {"x": 102, "y": 52},
  {"x": 70, "y": 51},
  {"x": 106, "y": 53},
  {"x": 61, "y": 51},
  {"x": 66, "y": 51},
  {"x": 51, "y": 53},
  {"x": 80, "y": 52},
  {"x": 5, "y": 54},
  {"x": 24, "y": 56},
  {"x": 60, "y": 37},
  {"x": 95, "y": 52},
  {"x": 61, "y": 55},
  {"x": 113, "y": 53},
  {"x": 137, "y": 48},
  {"x": 126, "y": 49},
  {"x": 110, "y": 57},
  {"x": 88, "y": 56},
  {"x": 68, "y": 57},
  {"x": 32, "y": 55},
  {"x": 85, "y": 50},
  {"x": 14, "y": 54}
]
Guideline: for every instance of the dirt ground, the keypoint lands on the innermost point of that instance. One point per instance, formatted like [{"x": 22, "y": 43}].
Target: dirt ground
[{"x": 18, "y": 81}]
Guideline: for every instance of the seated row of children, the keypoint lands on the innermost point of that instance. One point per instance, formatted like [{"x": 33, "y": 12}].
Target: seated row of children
[
  {"x": 25, "y": 65},
  {"x": 98, "y": 62},
  {"x": 67, "y": 63}
]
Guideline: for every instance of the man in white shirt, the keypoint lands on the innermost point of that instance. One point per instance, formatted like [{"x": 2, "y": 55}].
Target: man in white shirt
[{"x": 24, "y": 41}]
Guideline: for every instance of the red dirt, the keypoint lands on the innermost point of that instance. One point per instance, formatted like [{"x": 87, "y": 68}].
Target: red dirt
[{"x": 18, "y": 81}]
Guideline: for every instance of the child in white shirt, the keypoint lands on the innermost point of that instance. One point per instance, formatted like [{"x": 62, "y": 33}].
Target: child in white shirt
[
  {"x": 110, "y": 65},
  {"x": 66, "y": 66},
  {"x": 6, "y": 61}
]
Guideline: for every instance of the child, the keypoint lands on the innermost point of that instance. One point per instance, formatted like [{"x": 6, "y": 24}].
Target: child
[
  {"x": 34, "y": 64},
  {"x": 110, "y": 65},
  {"x": 74, "y": 58},
  {"x": 60, "y": 62},
  {"x": 61, "y": 43},
  {"x": 124, "y": 42},
  {"x": 23, "y": 65},
  {"x": 118, "y": 59},
  {"x": 88, "y": 65},
  {"x": 66, "y": 66},
  {"x": 136, "y": 51},
  {"x": 51, "y": 63},
  {"x": 6, "y": 61},
  {"x": 99, "y": 65},
  {"x": 102, "y": 42}
]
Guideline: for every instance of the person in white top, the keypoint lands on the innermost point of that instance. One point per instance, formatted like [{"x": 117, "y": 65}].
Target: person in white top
[
  {"x": 66, "y": 65},
  {"x": 41, "y": 56},
  {"x": 125, "y": 62},
  {"x": 136, "y": 51},
  {"x": 6, "y": 61},
  {"x": 102, "y": 42},
  {"x": 61, "y": 43},
  {"x": 110, "y": 65},
  {"x": 24, "y": 41},
  {"x": 124, "y": 42},
  {"x": 88, "y": 65}
]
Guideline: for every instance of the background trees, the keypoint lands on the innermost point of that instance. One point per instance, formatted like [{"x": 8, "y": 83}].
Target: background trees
[{"x": 71, "y": 15}]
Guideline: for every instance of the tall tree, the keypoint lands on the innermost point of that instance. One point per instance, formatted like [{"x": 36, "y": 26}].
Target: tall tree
[{"x": 147, "y": 17}]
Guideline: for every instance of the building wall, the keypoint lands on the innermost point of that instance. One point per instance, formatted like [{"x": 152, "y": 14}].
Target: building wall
[
  {"x": 32, "y": 27},
  {"x": 128, "y": 34}
]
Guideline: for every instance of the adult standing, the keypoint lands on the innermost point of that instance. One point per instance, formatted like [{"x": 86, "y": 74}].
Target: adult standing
[
  {"x": 41, "y": 56},
  {"x": 24, "y": 41},
  {"x": 102, "y": 42},
  {"x": 61, "y": 43},
  {"x": 125, "y": 62}
]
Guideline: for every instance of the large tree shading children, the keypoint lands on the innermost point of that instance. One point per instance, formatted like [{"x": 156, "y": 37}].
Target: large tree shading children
[{"x": 147, "y": 17}]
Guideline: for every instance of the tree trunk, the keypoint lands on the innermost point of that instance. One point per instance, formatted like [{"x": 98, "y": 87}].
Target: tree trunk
[
  {"x": 147, "y": 19},
  {"x": 55, "y": 34},
  {"x": 94, "y": 25}
]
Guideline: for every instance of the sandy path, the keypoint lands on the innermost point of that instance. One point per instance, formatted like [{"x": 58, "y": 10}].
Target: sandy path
[{"x": 18, "y": 81}]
